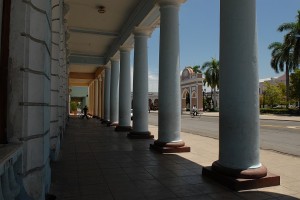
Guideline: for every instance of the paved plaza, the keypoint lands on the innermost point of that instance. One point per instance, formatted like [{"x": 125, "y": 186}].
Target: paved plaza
[{"x": 98, "y": 163}]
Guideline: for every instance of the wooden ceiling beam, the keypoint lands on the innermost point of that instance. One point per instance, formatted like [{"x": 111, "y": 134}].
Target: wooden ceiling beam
[
  {"x": 77, "y": 75},
  {"x": 99, "y": 71},
  {"x": 78, "y": 84}
]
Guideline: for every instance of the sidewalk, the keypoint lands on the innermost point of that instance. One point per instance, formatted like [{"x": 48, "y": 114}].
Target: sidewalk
[{"x": 98, "y": 163}]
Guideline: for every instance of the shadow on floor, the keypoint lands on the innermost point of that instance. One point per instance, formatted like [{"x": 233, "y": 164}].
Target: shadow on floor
[{"x": 98, "y": 163}]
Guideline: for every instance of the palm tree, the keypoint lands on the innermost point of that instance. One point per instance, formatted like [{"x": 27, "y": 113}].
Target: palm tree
[
  {"x": 282, "y": 60},
  {"x": 196, "y": 69},
  {"x": 292, "y": 38},
  {"x": 288, "y": 52},
  {"x": 211, "y": 73}
]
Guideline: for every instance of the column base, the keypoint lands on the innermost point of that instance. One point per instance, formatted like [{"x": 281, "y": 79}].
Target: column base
[
  {"x": 140, "y": 135},
  {"x": 104, "y": 121},
  {"x": 123, "y": 128},
  {"x": 112, "y": 123},
  {"x": 241, "y": 179},
  {"x": 172, "y": 147}
]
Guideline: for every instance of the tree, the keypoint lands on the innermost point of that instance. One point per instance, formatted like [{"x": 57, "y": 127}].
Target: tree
[
  {"x": 282, "y": 89},
  {"x": 288, "y": 52},
  {"x": 196, "y": 69},
  {"x": 272, "y": 94},
  {"x": 73, "y": 106},
  {"x": 212, "y": 69},
  {"x": 292, "y": 38},
  {"x": 295, "y": 86},
  {"x": 282, "y": 61}
]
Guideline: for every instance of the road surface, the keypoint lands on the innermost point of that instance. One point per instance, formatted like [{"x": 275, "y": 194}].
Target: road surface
[{"x": 276, "y": 135}]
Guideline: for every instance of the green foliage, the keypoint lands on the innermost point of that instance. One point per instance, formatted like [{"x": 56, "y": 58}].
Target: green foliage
[
  {"x": 279, "y": 111},
  {"x": 196, "y": 69},
  {"x": 282, "y": 89},
  {"x": 73, "y": 106},
  {"x": 292, "y": 38},
  {"x": 287, "y": 54},
  {"x": 212, "y": 69},
  {"x": 272, "y": 94}
]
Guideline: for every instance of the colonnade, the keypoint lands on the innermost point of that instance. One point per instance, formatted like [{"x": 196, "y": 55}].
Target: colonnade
[
  {"x": 239, "y": 130},
  {"x": 37, "y": 92}
]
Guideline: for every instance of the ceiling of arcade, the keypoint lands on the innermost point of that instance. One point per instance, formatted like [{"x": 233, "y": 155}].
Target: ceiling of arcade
[{"x": 97, "y": 28}]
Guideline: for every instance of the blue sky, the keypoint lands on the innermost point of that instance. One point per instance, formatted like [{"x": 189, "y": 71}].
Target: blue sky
[{"x": 199, "y": 34}]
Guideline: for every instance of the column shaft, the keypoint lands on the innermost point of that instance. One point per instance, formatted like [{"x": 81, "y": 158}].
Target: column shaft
[
  {"x": 140, "y": 86},
  {"x": 239, "y": 166},
  {"x": 169, "y": 115},
  {"x": 239, "y": 117},
  {"x": 107, "y": 94},
  {"x": 99, "y": 97},
  {"x": 124, "y": 92},
  {"x": 96, "y": 88},
  {"x": 114, "y": 92},
  {"x": 102, "y": 95}
]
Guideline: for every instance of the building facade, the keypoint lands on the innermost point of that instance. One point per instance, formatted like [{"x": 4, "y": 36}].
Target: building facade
[
  {"x": 191, "y": 89},
  {"x": 272, "y": 80}
]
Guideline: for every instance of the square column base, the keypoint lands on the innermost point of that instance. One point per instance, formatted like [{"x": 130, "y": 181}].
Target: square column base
[
  {"x": 240, "y": 183},
  {"x": 123, "y": 128},
  {"x": 104, "y": 121},
  {"x": 112, "y": 124},
  {"x": 140, "y": 135},
  {"x": 165, "y": 149}
]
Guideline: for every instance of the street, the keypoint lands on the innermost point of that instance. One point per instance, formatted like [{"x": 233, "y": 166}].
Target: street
[{"x": 276, "y": 135}]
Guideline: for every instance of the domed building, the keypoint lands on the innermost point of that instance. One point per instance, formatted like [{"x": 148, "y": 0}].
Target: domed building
[{"x": 191, "y": 89}]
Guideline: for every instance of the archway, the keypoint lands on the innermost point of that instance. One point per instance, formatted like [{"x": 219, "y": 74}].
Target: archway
[{"x": 185, "y": 103}]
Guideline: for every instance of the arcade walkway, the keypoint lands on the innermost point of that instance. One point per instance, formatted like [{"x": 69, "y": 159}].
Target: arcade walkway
[{"x": 98, "y": 163}]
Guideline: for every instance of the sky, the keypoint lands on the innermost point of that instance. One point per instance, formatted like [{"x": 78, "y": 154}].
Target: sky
[{"x": 199, "y": 34}]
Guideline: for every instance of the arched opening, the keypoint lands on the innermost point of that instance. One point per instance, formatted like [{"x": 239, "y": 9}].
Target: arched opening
[
  {"x": 185, "y": 102},
  {"x": 150, "y": 106},
  {"x": 194, "y": 99}
]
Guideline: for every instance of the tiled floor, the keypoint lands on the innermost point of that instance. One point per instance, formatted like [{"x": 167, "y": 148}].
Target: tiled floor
[{"x": 98, "y": 163}]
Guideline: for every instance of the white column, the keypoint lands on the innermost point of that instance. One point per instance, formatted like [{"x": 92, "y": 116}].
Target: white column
[
  {"x": 99, "y": 97},
  {"x": 107, "y": 94},
  {"x": 239, "y": 117},
  {"x": 114, "y": 91},
  {"x": 169, "y": 115},
  {"x": 239, "y": 130},
  {"x": 140, "y": 85},
  {"x": 124, "y": 90},
  {"x": 102, "y": 95},
  {"x": 96, "y": 97}
]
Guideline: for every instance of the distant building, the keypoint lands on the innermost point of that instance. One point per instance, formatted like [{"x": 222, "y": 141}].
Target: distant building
[
  {"x": 272, "y": 80},
  {"x": 191, "y": 89},
  {"x": 153, "y": 100}
]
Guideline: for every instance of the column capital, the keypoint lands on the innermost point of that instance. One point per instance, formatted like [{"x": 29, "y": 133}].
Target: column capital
[
  {"x": 142, "y": 31},
  {"x": 126, "y": 48},
  {"x": 115, "y": 58},
  {"x": 107, "y": 67},
  {"x": 170, "y": 2}
]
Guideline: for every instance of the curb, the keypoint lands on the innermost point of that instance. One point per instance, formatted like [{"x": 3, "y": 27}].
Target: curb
[{"x": 293, "y": 120}]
